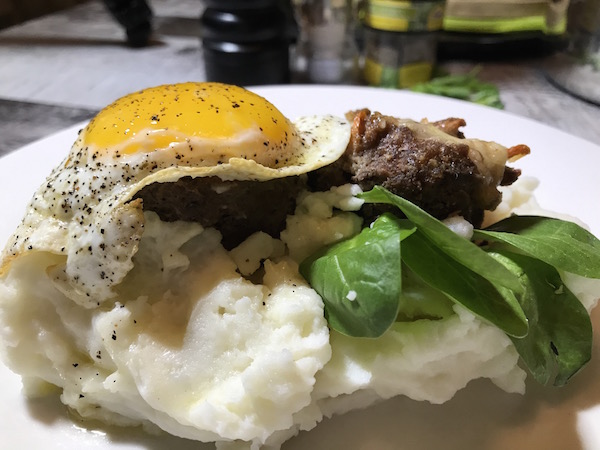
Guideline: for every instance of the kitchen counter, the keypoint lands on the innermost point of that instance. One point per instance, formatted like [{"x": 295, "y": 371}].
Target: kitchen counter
[{"x": 62, "y": 68}]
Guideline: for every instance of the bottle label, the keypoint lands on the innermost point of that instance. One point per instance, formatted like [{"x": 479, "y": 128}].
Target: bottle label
[
  {"x": 402, "y": 77},
  {"x": 398, "y": 15}
]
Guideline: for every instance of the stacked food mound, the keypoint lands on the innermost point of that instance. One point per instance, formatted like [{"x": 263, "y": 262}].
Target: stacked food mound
[{"x": 200, "y": 264}]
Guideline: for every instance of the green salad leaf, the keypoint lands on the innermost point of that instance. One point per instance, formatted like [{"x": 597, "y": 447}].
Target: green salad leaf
[
  {"x": 463, "y": 285},
  {"x": 458, "y": 248},
  {"x": 359, "y": 279},
  {"x": 511, "y": 279},
  {"x": 564, "y": 245},
  {"x": 464, "y": 87},
  {"x": 559, "y": 341}
]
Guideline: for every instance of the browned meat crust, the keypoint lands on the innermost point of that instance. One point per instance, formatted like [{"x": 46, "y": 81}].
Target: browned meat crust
[
  {"x": 437, "y": 175},
  {"x": 510, "y": 176},
  {"x": 235, "y": 208},
  {"x": 451, "y": 126}
]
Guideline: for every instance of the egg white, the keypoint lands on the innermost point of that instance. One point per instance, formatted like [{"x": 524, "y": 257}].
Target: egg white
[{"x": 84, "y": 210}]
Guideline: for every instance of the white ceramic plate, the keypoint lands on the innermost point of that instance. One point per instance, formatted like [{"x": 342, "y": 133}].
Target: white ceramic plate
[{"x": 479, "y": 417}]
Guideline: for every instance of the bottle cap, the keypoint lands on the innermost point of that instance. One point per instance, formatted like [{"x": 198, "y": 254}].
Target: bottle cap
[{"x": 243, "y": 25}]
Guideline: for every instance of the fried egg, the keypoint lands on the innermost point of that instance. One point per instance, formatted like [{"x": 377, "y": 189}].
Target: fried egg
[{"x": 85, "y": 211}]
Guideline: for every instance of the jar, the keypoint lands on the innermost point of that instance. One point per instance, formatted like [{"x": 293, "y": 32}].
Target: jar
[
  {"x": 326, "y": 52},
  {"x": 246, "y": 42},
  {"x": 401, "y": 41}
]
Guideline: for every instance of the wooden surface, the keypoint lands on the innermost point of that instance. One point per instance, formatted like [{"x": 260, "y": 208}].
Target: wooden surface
[
  {"x": 527, "y": 91},
  {"x": 76, "y": 61}
]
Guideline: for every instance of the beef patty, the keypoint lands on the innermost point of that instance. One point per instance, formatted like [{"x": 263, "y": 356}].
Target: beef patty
[
  {"x": 236, "y": 208},
  {"x": 435, "y": 173}
]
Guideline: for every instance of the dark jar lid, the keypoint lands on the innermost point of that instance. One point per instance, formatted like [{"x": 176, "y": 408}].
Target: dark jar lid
[
  {"x": 244, "y": 25},
  {"x": 247, "y": 64},
  {"x": 246, "y": 46}
]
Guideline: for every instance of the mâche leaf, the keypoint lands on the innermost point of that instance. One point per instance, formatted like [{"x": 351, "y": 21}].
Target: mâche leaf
[
  {"x": 463, "y": 285},
  {"x": 564, "y": 245},
  {"x": 458, "y": 248},
  {"x": 559, "y": 341},
  {"x": 359, "y": 279},
  {"x": 512, "y": 281}
]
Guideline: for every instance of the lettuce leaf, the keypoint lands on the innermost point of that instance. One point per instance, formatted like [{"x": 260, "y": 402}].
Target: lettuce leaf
[
  {"x": 511, "y": 279},
  {"x": 359, "y": 279}
]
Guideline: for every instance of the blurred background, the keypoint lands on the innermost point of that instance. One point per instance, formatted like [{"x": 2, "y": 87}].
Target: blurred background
[
  {"x": 13, "y": 12},
  {"x": 62, "y": 60}
]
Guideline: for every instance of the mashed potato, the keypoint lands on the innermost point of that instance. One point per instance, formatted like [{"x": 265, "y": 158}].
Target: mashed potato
[
  {"x": 190, "y": 345},
  {"x": 236, "y": 359}
]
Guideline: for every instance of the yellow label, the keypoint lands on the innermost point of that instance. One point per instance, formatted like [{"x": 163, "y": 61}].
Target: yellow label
[
  {"x": 533, "y": 23},
  {"x": 411, "y": 74},
  {"x": 372, "y": 72},
  {"x": 398, "y": 15},
  {"x": 405, "y": 76},
  {"x": 435, "y": 18}
]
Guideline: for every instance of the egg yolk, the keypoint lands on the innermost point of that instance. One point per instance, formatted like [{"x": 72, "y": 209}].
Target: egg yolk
[{"x": 169, "y": 114}]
